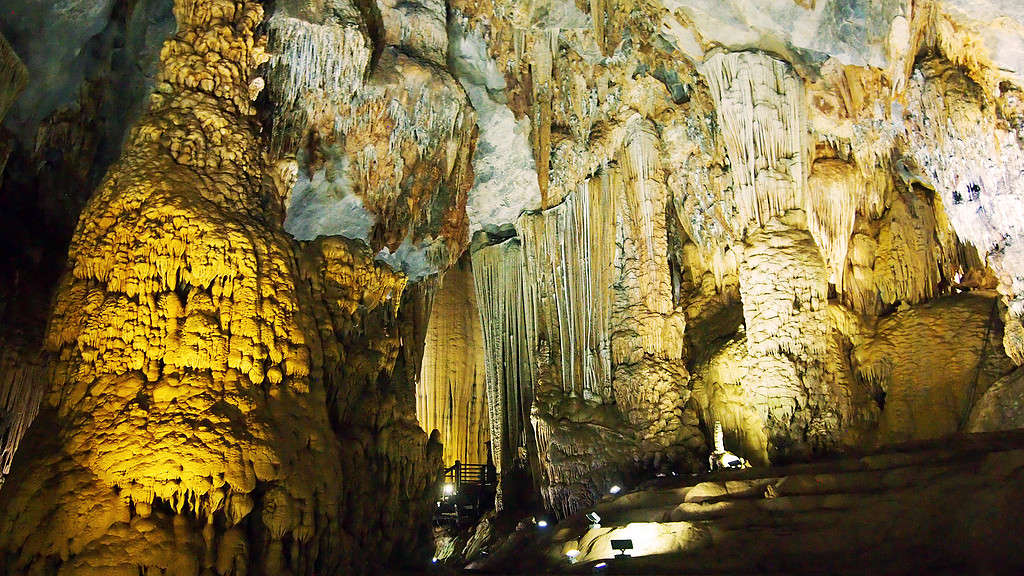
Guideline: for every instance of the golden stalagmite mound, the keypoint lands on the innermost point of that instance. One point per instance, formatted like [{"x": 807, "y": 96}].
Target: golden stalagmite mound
[{"x": 192, "y": 423}]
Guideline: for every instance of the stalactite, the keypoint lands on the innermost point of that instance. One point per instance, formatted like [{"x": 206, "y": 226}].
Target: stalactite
[
  {"x": 836, "y": 192},
  {"x": 568, "y": 254},
  {"x": 508, "y": 357},
  {"x": 451, "y": 393},
  {"x": 545, "y": 51},
  {"x": 760, "y": 106},
  {"x": 597, "y": 15},
  {"x": 397, "y": 127},
  {"x": 22, "y": 382},
  {"x": 314, "y": 62}
]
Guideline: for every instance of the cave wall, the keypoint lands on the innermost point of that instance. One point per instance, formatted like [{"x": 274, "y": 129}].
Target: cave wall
[
  {"x": 780, "y": 206},
  {"x": 20, "y": 369}
]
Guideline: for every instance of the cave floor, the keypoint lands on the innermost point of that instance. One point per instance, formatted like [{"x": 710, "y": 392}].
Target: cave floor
[{"x": 942, "y": 507}]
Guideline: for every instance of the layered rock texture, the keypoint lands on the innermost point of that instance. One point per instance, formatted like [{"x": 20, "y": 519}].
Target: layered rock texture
[{"x": 325, "y": 247}]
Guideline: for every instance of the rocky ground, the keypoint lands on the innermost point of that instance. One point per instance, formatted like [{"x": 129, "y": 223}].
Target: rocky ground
[{"x": 951, "y": 507}]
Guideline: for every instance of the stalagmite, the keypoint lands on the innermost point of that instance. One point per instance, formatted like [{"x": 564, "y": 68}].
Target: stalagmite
[
  {"x": 784, "y": 289},
  {"x": 191, "y": 424}
]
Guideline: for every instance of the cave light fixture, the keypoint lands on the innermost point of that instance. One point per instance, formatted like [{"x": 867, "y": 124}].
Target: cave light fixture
[
  {"x": 622, "y": 546},
  {"x": 595, "y": 519},
  {"x": 542, "y": 523},
  {"x": 615, "y": 489},
  {"x": 448, "y": 489},
  {"x": 600, "y": 565},
  {"x": 572, "y": 554}
]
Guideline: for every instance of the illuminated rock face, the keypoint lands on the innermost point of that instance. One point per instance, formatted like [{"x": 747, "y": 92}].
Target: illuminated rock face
[
  {"x": 450, "y": 394},
  {"x": 215, "y": 389}
]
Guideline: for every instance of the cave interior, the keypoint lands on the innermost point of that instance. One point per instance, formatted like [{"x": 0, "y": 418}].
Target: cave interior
[{"x": 325, "y": 287}]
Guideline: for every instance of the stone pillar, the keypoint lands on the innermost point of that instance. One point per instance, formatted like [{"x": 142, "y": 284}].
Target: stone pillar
[{"x": 783, "y": 278}]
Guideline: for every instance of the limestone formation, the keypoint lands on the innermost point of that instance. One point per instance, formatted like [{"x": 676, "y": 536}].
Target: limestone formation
[
  {"x": 501, "y": 298},
  {"x": 191, "y": 426},
  {"x": 1001, "y": 407},
  {"x": 451, "y": 392}
]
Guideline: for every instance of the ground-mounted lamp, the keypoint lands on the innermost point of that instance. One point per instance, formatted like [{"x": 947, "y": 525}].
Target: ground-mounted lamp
[
  {"x": 615, "y": 489},
  {"x": 572, "y": 554},
  {"x": 448, "y": 489},
  {"x": 595, "y": 520},
  {"x": 622, "y": 546}
]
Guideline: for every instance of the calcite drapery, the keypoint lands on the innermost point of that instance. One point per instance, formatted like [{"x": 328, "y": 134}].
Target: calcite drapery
[
  {"x": 451, "y": 392},
  {"x": 500, "y": 295},
  {"x": 570, "y": 305}
]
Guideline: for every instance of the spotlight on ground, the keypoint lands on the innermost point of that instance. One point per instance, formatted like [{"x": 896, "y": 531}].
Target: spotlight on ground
[
  {"x": 542, "y": 523},
  {"x": 448, "y": 489},
  {"x": 594, "y": 519},
  {"x": 615, "y": 489},
  {"x": 572, "y": 554},
  {"x": 600, "y": 565},
  {"x": 622, "y": 546}
]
